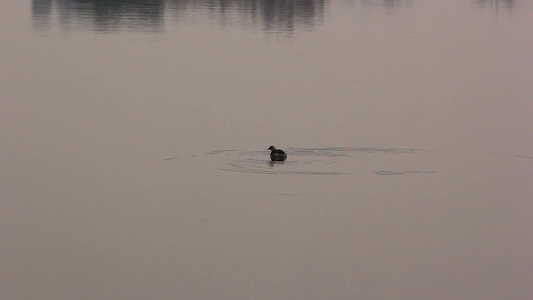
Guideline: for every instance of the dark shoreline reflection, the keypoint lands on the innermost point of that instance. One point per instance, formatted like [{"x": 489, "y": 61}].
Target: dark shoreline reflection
[
  {"x": 149, "y": 15},
  {"x": 41, "y": 12},
  {"x": 100, "y": 15},
  {"x": 270, "y": 16},
  {"x": 495, "y": 3},
  {"x": 495, "y": 6},
  {"x": 386, "y": 4}
]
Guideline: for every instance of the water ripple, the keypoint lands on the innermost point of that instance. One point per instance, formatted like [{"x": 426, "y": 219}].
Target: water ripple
[
  {"x": 321, "y": 161},
  {"x": 305, "y": 161}
]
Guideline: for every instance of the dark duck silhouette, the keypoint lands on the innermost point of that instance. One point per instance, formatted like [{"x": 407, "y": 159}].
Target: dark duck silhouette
[{"x": 277, "y": 154}]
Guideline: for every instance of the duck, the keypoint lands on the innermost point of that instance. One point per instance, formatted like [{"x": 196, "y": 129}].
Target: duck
[{"x": 277, "y": 154}]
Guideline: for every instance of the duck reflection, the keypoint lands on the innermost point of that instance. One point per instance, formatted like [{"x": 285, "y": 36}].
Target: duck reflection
[{"x": 273, "y": 164}]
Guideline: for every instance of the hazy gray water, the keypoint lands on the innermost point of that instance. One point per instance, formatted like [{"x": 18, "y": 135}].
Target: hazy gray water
[{"x": 133, "y": 161}]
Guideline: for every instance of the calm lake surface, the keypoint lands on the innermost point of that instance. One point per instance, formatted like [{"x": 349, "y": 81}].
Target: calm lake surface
[{"x": 134, "y": 163}]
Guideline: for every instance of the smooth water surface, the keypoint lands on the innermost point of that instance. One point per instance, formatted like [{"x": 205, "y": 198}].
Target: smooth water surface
[{"x": 134, "y": 162}]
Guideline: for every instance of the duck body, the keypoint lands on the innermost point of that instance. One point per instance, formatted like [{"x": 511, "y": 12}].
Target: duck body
[{"x": 277, "y": 154}]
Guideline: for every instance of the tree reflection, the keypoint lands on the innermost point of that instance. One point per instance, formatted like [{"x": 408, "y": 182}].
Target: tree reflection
[
  {"x": 148, "y": 15},
  {"x": 273, "y": 15},
  {"x": 41, "y": 11},
  {"x": 102, "y": 15},
  {"x": 495, "y": 3}
]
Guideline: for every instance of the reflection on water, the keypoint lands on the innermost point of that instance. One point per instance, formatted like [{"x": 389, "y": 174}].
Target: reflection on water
[
  {"x": 280, "y": 16},
  {"x": 41, "y": 13},
  {"x": 496, "y": 3},
  {"x": 271, "y": 16},
  {"x": 495, "y": 6},
  {"x": 100, "y": 16},
  {"x": 386, "y": 4},
  {"x": 148, "y": 16}
]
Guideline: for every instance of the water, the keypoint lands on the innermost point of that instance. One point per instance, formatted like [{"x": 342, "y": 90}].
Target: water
[{"x": 134, "y": 161}]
